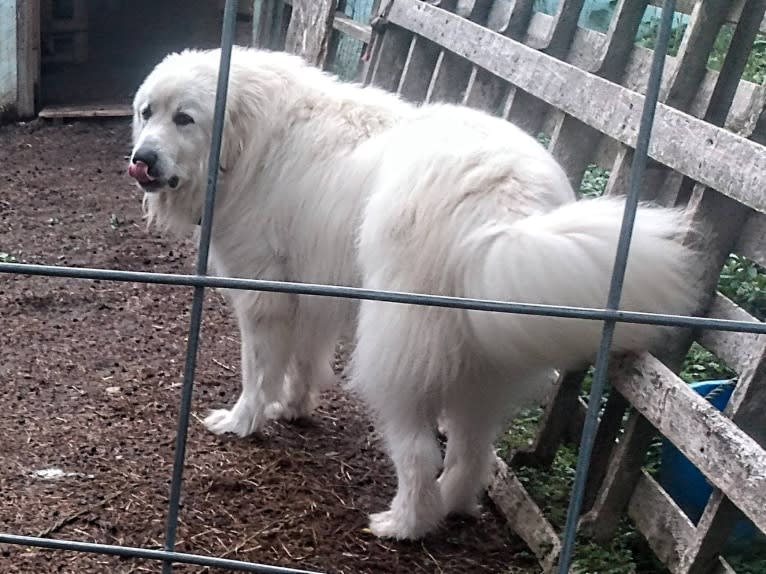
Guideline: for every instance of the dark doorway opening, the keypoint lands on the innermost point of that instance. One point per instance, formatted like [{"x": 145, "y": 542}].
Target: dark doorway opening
[{"x": 97, "y": 52}]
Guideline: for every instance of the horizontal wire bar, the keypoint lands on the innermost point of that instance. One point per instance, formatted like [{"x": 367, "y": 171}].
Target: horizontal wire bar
[
  {"x": 147, "y": 554},
  {"x": 291, "y": 287}
]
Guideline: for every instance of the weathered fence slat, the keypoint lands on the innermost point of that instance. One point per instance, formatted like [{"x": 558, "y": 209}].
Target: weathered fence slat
[
  {"x": 751, "y": 243},
  {"x": 418, "y": 69},
  {"x": 310, "y": 28}
]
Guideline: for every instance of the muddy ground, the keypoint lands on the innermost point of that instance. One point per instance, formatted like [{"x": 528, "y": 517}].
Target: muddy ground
[{"x": 90, "y": 376}]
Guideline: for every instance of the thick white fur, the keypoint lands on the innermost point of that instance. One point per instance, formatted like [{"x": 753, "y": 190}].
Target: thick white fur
[{"x": 333, "y": 183}]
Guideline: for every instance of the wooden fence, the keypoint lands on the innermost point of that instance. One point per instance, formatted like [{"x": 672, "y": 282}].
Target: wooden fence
[{"x": 584, "y": 89}]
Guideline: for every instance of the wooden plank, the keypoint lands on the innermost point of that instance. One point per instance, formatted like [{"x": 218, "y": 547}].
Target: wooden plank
[
  {"x": 558, "y": 39},
  {"x": 8, "y": 58},
  {"x": 737, "y": 350},
  {"x": 391, "y": 52},
  {"x": 627, "y": 18},
  {"x": 711, "y": 155},
  {"x": 713, "y": 530},
  {"x": 664, "y": 525},
  {"x": 680, "y": 86},
  {"x": 728, "y": 457},
  {"x": 87, "y": 111},
  {"x": 624, "y": 467},
  {"x": 609, "y": 429},
  {"x": 518, "y": 22},
  {"x": 418, "y": 70},
  {"x": 450, "y": 78},
  {"x": 486, "y": 91},
  {"x": 745, "y": 35},
  {"x": 28, "y": 56},
  {"x": 310, "y": 29},
  {"x": 524, "y": 516},
  {"x": 352, "y": 28},
  {"x": 752, "y": 243}
]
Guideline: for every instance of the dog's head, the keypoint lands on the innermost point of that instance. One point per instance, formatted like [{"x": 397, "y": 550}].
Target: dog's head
[{"x": 173, "y": 124}]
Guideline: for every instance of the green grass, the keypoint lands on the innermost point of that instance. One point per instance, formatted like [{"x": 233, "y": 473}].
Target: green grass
[{"x": 744, "y": 282}]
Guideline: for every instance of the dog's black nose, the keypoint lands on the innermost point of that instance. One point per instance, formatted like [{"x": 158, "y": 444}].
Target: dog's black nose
[{"x": 145, "y": 155}]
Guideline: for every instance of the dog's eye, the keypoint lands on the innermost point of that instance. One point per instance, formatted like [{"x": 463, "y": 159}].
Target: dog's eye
[
  {"x": 182, "y": 119},
  {"x": 146, "y": 113}
]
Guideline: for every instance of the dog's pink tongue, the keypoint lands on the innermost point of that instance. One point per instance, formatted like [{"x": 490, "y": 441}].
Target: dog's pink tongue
[{"x": 140, "y": 172}]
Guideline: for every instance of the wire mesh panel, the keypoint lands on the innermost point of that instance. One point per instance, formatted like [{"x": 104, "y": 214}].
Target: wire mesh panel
[{"x": 470, "y": 53}]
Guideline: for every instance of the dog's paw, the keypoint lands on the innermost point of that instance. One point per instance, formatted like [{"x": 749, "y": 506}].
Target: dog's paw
[
  {"x": 471, "y": 509},
  {"x": 391, "y": 524},
  {"x": 291, "y": 411},
  {"x": 222, "y": 421}
]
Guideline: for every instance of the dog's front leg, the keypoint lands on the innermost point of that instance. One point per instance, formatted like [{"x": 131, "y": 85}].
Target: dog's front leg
[{"x": 266, "y": 351}]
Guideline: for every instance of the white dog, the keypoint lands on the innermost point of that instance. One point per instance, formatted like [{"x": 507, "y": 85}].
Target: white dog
[{"x": 327, "y": 182}]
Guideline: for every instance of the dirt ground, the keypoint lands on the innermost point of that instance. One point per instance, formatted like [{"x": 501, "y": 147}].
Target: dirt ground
[{"x": 90, "y": 378}]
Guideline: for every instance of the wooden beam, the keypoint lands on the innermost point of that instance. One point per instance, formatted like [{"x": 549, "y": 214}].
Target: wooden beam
[
  {"x": 27, "y": 56},
  {"x": 352, "y": 28},
  {"x": 737, "y": 350},
  {"x": 86, "y": 111},
  {"x": 664, "y": 525},
  {"x": 751, "y": 243},
  {"x": 308, "y": 34},
  {"x": 524, "y": 516}
]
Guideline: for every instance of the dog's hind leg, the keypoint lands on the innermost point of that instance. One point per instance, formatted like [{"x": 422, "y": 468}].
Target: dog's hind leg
[
  {"x": 266, "y": 350},
  {"x": 417, "y": 506},
  {"x": 395, "y": 385},
  {"x": 472, "y": 420}
]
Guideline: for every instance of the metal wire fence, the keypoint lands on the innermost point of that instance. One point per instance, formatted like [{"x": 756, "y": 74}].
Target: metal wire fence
[{"x": 200, "y": 281}]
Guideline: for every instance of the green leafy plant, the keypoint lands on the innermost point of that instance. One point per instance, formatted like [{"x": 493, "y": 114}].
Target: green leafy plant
[
  {"x": 702, "y": 365},
  {"x": 744, "y": 282},
  {"x": 594, "y": 181},
  {"x": 647, "y": 35}
]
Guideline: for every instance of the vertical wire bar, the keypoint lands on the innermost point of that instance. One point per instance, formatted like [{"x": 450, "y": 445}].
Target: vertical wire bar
[
  {"x": 227, "y": 42},
  {"x": 615, "y": 289}
]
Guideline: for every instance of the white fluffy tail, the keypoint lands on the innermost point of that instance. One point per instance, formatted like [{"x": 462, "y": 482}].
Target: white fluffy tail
[{"x": 565, "y": 257}]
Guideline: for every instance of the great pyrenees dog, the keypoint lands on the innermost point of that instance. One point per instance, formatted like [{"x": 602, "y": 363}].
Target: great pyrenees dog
[{"x": 328, "y": 182}]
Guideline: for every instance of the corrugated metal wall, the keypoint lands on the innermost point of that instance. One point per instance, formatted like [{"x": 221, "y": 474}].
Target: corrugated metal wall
[{"x": 8, "y": 73}]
